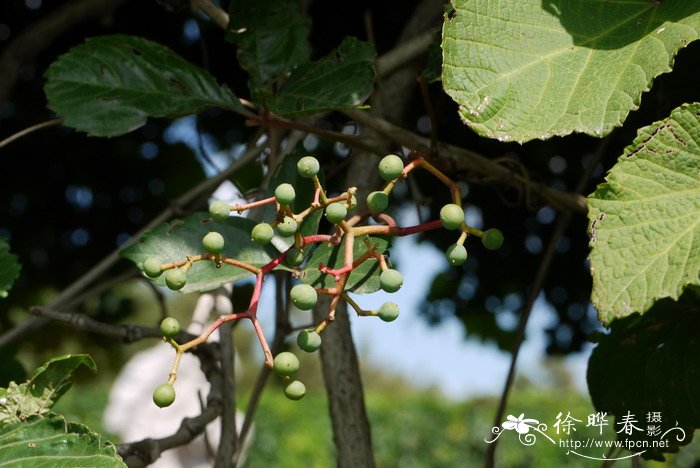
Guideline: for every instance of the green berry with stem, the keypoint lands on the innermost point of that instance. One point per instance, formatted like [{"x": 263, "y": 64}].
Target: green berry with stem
[
  {"x": 308, "y": 167},
  {"x": 493, "y": 239},
  {"x": 295, "y": 257},
  {"x": 213, "y": 243},
  {"x": 336, "y": 212},
  {"x": 284, "y": 194},
  {"x": 389, "y": 311},
  {"x": 285, "y": 364},
  {"x": 287, "y": 227},
  {"x": 303, "y": 296},
  {"x": 377, "y": 201},
  {"x": 309, "y": 340},
  {"x": 295, "y": 390},
  {"x": 456, "y": 254},
  {"x": 169, "y": 327},
  {"x": 452, "y": 216},
  {"x": 390, "y": 280},
  {"x": 219, "y": 210},
  {"x": 390, "y": 167},
  {"x": 164, "y": 395},
  {"x": 262, "y": 234},
  {"x": 152, "y": 267},
  {"x": 175, "y": 279}
]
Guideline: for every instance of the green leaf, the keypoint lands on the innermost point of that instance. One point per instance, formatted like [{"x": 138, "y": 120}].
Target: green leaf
[
  {"x": 645, "y": 219},
  {"x": 9, "y": 268},
  {"x": 433, "y": 68},
  {"x": 110, "y": 85},
  {"x": 43, "y": 389},
  {"x": 271, "y": 37},
  {"x": 51, "y": 442},
  {"x": 363, "y": 280},
  {"x": 172, "y": 242},
  {"x": 649, "y": 364},
  {"x": 343, "y": 79},
  {"x": 538, "y": 68}
]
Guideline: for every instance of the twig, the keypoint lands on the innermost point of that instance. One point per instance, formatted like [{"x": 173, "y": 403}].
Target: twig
[
  {"x": 466, "y": 160},
  {"x": 219, "y": 16},
  {"x": 28, "y": 130},
  {"x": 405, "y": 52},
  {"x": 228, "y": 443},
  {"x": 547, "y": 258},
  {"x": 58, "y": 302}
]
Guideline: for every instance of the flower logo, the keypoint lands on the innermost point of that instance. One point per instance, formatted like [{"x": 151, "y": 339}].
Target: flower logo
[{"x": 520, "y": 424}]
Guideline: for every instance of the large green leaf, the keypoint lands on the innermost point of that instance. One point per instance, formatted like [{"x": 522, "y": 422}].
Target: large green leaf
[
  {"x": 51, "y": 442},
  {"x": 172, "y": 242},
  {"x": 363, "y": 279},
  {"x": 110, "y": 85},
  {"x": 645, "y": 219},
  {"x": 48, "y": 383},
  {"x": 341, "y": 80},
  {"x": 651, "y": 364},
  {"x": 9, "y": 268},
  {"x": 537, "y": 68},
  {"x": 271, "y": 37}
]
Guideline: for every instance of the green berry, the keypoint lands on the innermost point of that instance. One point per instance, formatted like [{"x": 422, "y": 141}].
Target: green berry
[
  {"x": 287, "y": 227},
  {"x": 390, "y": 167},
  {"x": 336, "y": 212},
  {"x": 169, "y": 327},
  {"x": 219, "y": 210},
  {"x": 308, "y": 167},
  {"x": 377, "y": 201},
  {"x": 309, "y": 340},
  {"x": 303, "y": 296},
  {"x": 390, "y": 280},
  {"x": 295, "y": 257},
  {"x": 285, "y": 363},
  {"x": 175, "y": 279},
  {"x": 284, "y": 193},
  {"x": 456, "y": 254},
  {"x": 164, "y": 395},
  {"x": 152, "y": 267},
  {"x": 452, "y": 216},
  {"x": 295, "y": 390},
  {"x": 262, "y": 234},
  {"x": 493, "y": 239},
  {"x": 389, "y": 311},
  {"x": 213, "y": 242}
]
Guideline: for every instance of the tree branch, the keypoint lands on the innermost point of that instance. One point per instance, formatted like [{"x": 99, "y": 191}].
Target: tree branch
[{"x": 218, "y": 15}]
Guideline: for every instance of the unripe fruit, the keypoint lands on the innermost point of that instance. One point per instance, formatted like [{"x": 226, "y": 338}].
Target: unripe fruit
[
  {"x": 377, "y": 201},
  {"x": 262, "y": 234},
  {"x": 456, "y": 254},
  {"x": 287, "y": 227},
  {"x": 303, "y": 296},
  {"x": 389, "y": 311},
  {"x": 169, "y": 327},
  {"x": 285, "y": 363},
  {"x": 309, "y": 340},
  {"x": 152, "y": 267},
  {"x": 295, "y": 390},
  {"x": 219, "y": 210},
  {"x": 493, "y": 239},
  {"x": 284, "y": 193},
  {"x": 390, "y": 167},
  {"x": 213, "y": 242},
  {"x": 336, "y": 212},
  {"x": 295, "y": 257},
  {"x": 164, "y": 395},
  {"x": 390, "y": 280},
  {"x": 175, "y": 279},
  {"x": 452, "y": 216},
  {"x": 308, "y": 167}
]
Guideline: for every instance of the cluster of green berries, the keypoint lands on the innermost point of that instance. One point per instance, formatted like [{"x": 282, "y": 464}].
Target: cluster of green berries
[
  {"x": 164, "y": 394},
  {"x": 285, "y": 365},
  {"x": 452, "y": 217}
]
